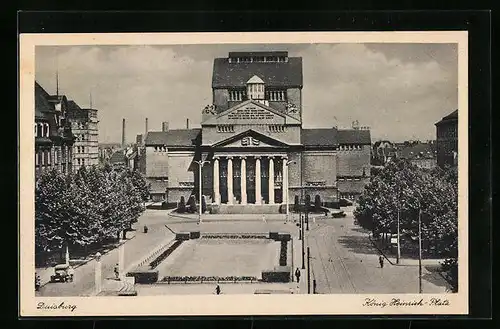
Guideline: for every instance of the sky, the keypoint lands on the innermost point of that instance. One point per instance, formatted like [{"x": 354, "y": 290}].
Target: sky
[{"x": 398, "y": 90}]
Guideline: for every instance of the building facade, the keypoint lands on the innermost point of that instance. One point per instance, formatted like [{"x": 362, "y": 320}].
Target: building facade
[
  {"x": 53, "y": 136},
  {"x": 84, "y": 124},
  {"x": 447, "y": 140},
  {"x": 422, "y": 155},
  {"x": 252, "y": 145}
]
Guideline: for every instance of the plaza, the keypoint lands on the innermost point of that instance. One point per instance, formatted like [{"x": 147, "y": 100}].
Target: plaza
[{"x": 342, "y": 259}]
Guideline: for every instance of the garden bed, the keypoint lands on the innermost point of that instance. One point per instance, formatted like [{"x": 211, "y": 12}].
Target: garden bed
[{"x": 203, "y": 279}]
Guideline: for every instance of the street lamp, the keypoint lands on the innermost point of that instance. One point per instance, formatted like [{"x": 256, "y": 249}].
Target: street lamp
[
  {"x": 200, "y": 164},
  {"x": 285, "y": 181}
]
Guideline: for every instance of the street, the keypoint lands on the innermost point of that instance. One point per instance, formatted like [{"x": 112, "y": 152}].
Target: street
[{"x": 343, "y": 260}]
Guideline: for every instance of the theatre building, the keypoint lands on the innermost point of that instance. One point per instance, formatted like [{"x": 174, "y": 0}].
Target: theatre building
[{"x": 252, "y": 143}]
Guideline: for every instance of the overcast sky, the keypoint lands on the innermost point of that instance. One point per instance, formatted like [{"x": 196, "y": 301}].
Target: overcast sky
[{"x": 399, "y": 90}]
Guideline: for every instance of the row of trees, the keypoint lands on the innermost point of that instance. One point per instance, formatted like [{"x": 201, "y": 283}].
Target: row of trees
[
  {"x": 403, "y": 189},
  {"x": 89, "y": 207},
  {"x": 191, "y": 207}
]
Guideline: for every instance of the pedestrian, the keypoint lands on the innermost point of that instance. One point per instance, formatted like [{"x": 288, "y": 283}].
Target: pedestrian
[
  {"x": 145, "y": 229},
  {"x": 264, "y": 218},
  {"x": 381, "y": 261},
  {"x": 297, "y": 274},
  {"x": 314, "y": 286},
  {"x": 71, "y": 273},
  {"x": 217, "y": 290},
  {"x": 117, "y": 271}
]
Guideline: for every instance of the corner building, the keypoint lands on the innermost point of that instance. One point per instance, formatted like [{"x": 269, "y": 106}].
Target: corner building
[{"x": 252, "y": 139}]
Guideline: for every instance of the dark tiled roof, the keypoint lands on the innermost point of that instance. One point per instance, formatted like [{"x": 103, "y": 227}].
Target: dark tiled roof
[
  {"x": 450, "y": 117},
  {"x": 319, "y": 137},
  {"x": 176, "y": 137},
  {"x": 354, "y": 136},
  {"x": 227, "y": 74},
  {"x": 73, "y": 106},
  {"x": 42, "y": 104},
  {"x": 117, "y": 157}
]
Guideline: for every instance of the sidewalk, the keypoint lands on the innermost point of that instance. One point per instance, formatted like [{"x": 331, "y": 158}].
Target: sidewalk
[{"x": 46, "y": 272}]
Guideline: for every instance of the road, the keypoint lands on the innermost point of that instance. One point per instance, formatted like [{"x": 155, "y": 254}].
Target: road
[{"x": 344, "y": 261}]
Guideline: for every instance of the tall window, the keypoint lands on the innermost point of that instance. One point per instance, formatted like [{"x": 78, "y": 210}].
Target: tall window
[
  {"x": 237, "y": 94},
  {"x": 276, "y": 95}
]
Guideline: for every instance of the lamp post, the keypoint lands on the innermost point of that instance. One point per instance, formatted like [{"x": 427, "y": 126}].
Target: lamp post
[
  {"x": 200, "y": 165},
  {"x": 98, "y": 273}
]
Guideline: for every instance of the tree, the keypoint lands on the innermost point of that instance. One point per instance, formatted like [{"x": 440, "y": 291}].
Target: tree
[
  {"x": 317, "y": 203},
  {"x": 203, "y": 204},
  {"x": 192, "y": 204},
  {"x": 182, "y": 205},
  {"x": 407, "y": 188}
]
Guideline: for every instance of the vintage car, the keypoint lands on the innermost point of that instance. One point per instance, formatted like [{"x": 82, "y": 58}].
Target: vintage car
[
  {"x": 60, "y": 273},
  {"x": 338, "y": 214}
]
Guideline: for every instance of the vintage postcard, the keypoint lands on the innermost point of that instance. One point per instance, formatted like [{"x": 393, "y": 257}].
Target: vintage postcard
[{"x": 243, "y": 174}]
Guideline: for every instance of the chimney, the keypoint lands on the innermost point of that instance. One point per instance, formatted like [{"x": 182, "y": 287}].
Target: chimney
[
  {"x": 123, "y": 133},
  {"x": 146, "y": 126},
  {"x": 187, "y": 123},
  {"x": 164, "y": 126}
]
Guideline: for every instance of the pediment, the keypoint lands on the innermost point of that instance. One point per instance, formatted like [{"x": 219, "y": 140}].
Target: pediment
[
  {"x": 251, "y": 112},
  {"x": 250, "y": 138}
]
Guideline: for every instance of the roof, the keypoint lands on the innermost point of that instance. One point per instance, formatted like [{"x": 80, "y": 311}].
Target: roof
[
  {"x": 282, "y": 74},
  {"x": 117, "y": 157},
  {"x": 319, "y": 137},
  {"x": 257, "y": 53},
  {"x": 417, "y": 150},
  {"x": 453, "y": 116},
  {"x": 255, "y": 79},
  {"x": 354, "y": 136},
  {"x": 174, "y": 137},
  {"x": 42, "y": 104},
  {"x": 73, "y": 106}
]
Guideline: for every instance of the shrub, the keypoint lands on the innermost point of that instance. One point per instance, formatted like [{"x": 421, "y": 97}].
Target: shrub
[
  {"x": 182, "y": 206},
  {"x": 307, "y": 202},
  {"x": 192, "y": 205},
  {"x": 203, "y": 204},
  {"x": 214, "y": 209},
  {"x": 283, "y": 253},
  {"x": 194, "y": 235},
  {"x": 296, "y": 204},
  {"x": 284, "y": 237},
  {"x": 278, "y": 274},
  {"x": 273, "y": 236},
  {"x": 144, "y": 275},
  {"x": 182, "y": 236},
  {"x": 317, "y": 203},
  {"x": 164, "y": 254}
]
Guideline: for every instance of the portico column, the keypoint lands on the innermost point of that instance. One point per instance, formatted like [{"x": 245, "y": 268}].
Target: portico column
[
  {"x": 216, "y": 181},
  {"x": 243, "y": 180},
  {"x": 284, "y": 184},
  {"x": 271, "y": 180},
  {"x": 258, "y": 188},
  {"x": 230, "y": 196}
]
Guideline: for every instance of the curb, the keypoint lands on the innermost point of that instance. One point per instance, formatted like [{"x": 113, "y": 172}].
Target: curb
[{"x": 91, "y": 259}]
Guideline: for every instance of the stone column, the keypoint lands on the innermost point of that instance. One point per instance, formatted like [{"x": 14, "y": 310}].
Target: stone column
[
  {"x": 258, "y": 188},
  {"x": 284, "y": 184},
  {"x": 243, "y": 180},
  {"x": 216, "y": 181},
  {"x": 271, "y": 180},
  {"x": 230, "y": 196}
]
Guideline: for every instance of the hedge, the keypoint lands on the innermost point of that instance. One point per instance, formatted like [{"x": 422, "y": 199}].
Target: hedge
[
  {"x": 194, "y": 235},
  {"x": 278, "y": 274},
  {"x": 182, "y": 236},
  {"x": 144, "y": 275},
  {"x": 273, "y": 235},
  {"x": 202, "y": 279},
  {"x": 165, "y": 254},
  {"x": 283, "y": 253}
]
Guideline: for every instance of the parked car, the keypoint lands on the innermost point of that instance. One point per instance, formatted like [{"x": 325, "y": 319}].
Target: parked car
[
  {"x": 338, "y": 214},
  {"x": 345, "y": 203},
  {"x": 60, "y": 273}
]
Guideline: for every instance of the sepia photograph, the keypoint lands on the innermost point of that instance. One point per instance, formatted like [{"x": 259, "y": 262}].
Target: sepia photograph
[{"x": 261, "y": 166}]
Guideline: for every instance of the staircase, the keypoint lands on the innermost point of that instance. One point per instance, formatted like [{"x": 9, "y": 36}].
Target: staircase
[{"x": 249, "y": 209}]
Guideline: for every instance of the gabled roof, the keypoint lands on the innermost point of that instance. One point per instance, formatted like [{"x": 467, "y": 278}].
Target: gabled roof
[
  {"x": 173, "y": 138},
  {"x": 255, "y": 79},
  {"x": 117, "y": 157},
  {"x": 73, "y": 106},
  {"x": 42, "y": 103},
  {"x": 453, "y": 116},
  {"x": 354, "y": 136},
  {"x": 282, "y": 74},
  {"x": 264, "y": 138},
  {"x": 319, "y": 137},
  {"x": 214, "y": 120},
  {"x": 417, "y": 150}
]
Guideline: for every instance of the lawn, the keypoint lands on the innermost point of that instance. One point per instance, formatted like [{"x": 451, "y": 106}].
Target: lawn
[{"x": 223, "y": 257}]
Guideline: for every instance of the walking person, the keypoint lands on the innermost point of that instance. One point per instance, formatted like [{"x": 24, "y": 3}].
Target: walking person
[
  {"x": 71, "y": 273},
  {"x": 297, "y": 275},
  {"x": 217, "y": 290},
  {"x": 381, "y": 261},
  {"x": 117, "y": 271}
]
